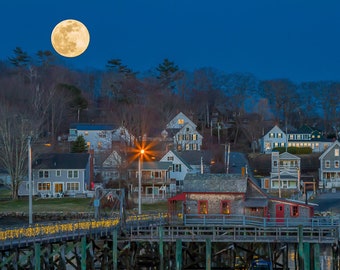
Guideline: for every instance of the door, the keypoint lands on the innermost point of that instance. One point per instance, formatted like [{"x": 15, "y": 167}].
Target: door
[
  {"x": 280, "y": 213},
  {"x": 58, "y": 189}
]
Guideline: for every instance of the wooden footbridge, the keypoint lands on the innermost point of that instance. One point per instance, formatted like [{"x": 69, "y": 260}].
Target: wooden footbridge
[{"x": 163, "y": 242}]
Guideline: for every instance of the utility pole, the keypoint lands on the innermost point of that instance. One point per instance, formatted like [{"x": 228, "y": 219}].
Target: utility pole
[{"x": 30, "y": 191}]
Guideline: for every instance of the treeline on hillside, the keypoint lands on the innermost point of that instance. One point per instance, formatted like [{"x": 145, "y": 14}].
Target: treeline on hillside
[{"x": 40, "y": 97}]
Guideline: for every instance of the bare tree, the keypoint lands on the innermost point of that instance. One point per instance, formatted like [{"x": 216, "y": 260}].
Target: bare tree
[{"x": 15, "y": 129}]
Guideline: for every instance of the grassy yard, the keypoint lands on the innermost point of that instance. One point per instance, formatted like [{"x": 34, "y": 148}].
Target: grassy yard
[{"x": 65, "y": 205}]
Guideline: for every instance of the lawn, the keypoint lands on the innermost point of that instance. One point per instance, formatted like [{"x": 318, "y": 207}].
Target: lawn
[{"x": 65, "y": 205}]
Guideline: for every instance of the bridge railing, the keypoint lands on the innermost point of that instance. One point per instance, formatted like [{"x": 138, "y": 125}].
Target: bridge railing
[
  {"x": 218, "y": 219},
  {"x": 77, "y": 227}
]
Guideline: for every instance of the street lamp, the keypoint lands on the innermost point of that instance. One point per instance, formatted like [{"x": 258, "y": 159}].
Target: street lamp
[
  {"x": 140, "y": 182},
  {"x": 30, "y": 215}
]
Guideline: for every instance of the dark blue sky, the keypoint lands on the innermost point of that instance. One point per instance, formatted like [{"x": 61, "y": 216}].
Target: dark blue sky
[{"x": 294, "y": 39}]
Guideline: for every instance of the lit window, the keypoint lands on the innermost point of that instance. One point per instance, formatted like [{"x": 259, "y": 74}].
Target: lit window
[
  {"x": 294, "y": 211},
  {"x": 336, "y": 152},
  {"x": 271, "y": 135},
  {"x": 194, "y": 137},
  {"x": 180, "y": 121},
  {"x": 225, "y": 207},
  {"x": 44, "y": 186},
  {"x": 279, "y": 135}
]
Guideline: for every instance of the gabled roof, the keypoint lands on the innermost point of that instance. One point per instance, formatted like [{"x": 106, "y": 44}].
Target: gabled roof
[
  {"x": 215, "y": 183},
  {"x": 336, "y": 143},
  {"x": 175, "y": 153},
  {"x": 59, "y": 161},
  {"x": 194, "y": 157},
  {"x": 305, "y": 129},
  {"x": 90, "y": 126},
  {"x": 288, "y": 156}
]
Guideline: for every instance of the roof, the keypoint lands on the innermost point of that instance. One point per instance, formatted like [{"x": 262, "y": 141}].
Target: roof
[
  {"x": 215, "y": 183},
  {"x": 256, "y": 202},
  {"x": 336, "y": 143},
  {"x": 61, "y": 161},
  {"x": 90, "y": 126},
  {"x": 153, "y": 165},
  {"x": 288, "y": 156},
  {"x": 194, "y": 157}
]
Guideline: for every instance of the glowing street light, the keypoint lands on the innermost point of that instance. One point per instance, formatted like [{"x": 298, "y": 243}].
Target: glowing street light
[{"x": 140, "y": 181}]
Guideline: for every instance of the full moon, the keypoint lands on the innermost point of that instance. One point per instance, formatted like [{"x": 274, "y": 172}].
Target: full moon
[{"x": 70, "y": 38}]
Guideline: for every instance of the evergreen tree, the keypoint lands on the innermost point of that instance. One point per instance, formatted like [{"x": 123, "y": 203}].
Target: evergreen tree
[{"x": 79, "y": 145}]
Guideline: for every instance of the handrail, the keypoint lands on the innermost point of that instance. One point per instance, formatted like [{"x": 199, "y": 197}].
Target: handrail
[{"x": 219, "y": 219}]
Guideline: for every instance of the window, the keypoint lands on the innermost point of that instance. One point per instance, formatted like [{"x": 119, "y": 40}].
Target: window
[
  {"x": 58, "y": 173},
  {"x": 336, "y": 163},
  {"x": 203, "y": 207},
  {"x": 294, "y": 211},
  {"x": 336, "y": 152},
  {"x": 43, "y": 174},
  {"x": 176, "y": 167},
  {"x": 170, "y": 158},
  {"x": 194, "y": 137},
  {"x": 44, "y": 186},
  {"x": 73, "y": 186},
  {"x": 225, "y": 207},
  {"x": 187, "y": 146},
  {"x": 72, "y": 174},
  {"x": 327, "y": 164},
  {"x": 271, "y": 135},
  {"x": 279, "y": 135},
  {"x": 180, "y": 121},
  {"x": 86, "y": 133},
  {"x": 157, "y": 174}
]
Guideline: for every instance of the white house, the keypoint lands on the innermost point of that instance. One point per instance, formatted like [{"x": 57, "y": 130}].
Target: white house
[
  {"x": 272, "y": 139},
  {"x": 100, "y": 137},
  {"x": 305, "y": 136},
  {"x": 285, "y": 173},
  {"x": 179, "y": 169},
  {"x": 329, "y": 171},
  {"x": 183, "y": 132}
]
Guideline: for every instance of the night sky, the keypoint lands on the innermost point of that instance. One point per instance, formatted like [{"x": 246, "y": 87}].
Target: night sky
[{"x": 294, "y": 39}]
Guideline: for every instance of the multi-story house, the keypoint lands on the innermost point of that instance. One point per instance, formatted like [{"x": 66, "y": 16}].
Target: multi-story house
[
  {"x": 108, "y": 165},
  {"x": 308, "y": 137},
  {"x": 272, "y": 139},
  {"x": 303, "y": 137},
  {"x": 155, "y": 179},
  {"x": 100, "y": 137},
  {"x": 183, "y": 134},
  {"x": 329, "y": 171},
  {"x": 58, "y": 174},
  {"x": 284, "y": 175},
  {"x": 97, "y": 136}
]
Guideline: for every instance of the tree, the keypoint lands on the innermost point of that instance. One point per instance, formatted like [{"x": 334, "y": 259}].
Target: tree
[
  {"x": 168, "y": 72},
  {"x": 15, "y": 129},
  {"x": 20, "y": 58},
  {"x": 79, "y": 145}
]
